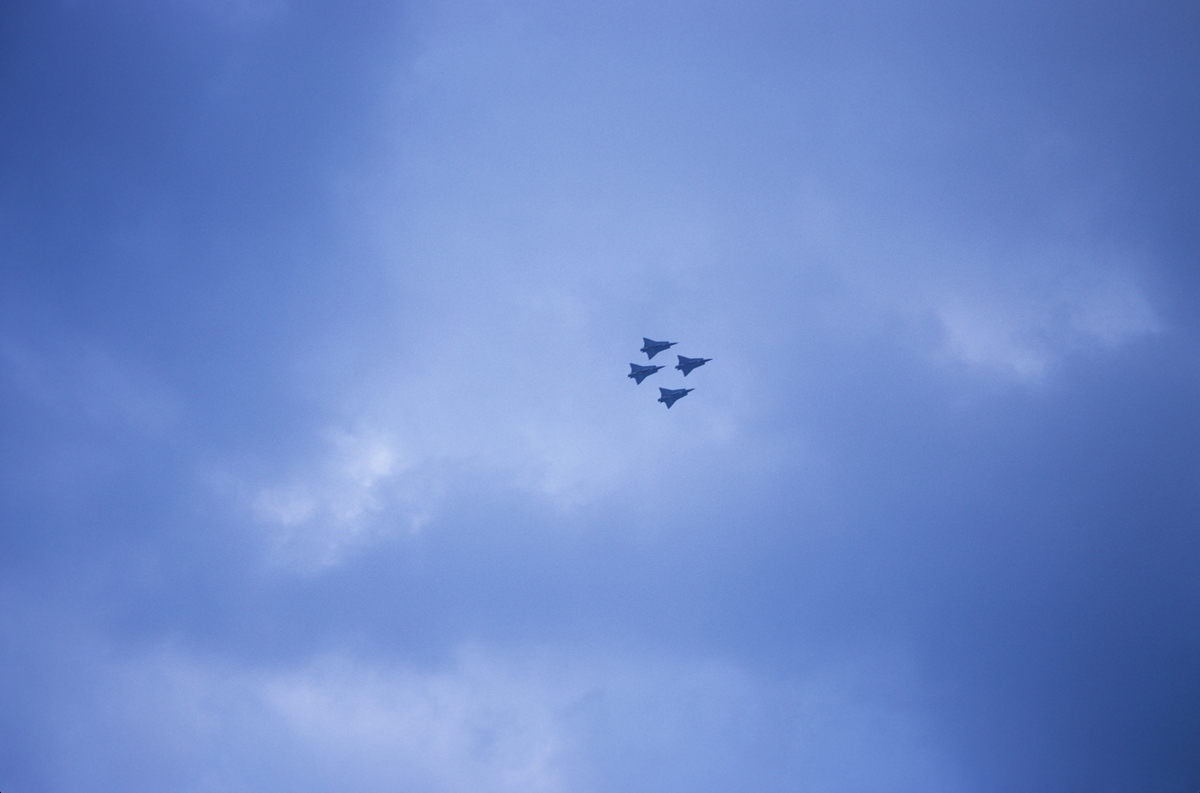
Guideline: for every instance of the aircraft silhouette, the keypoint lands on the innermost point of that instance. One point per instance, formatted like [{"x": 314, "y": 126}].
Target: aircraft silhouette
[
  {"x": 669, "y": 396},
  {"x": 640, "y": 373},
  {"x": 688, "y": 364},
  {"x": 652, "y": 347}
]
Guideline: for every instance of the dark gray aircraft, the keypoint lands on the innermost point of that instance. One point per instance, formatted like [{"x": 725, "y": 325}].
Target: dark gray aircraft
[
  {"x": 688, "y": 364},
  {"x": 672, "y": 395},
  {"x": 640, "y": 373},
  {"x": 652, "y": 347}
]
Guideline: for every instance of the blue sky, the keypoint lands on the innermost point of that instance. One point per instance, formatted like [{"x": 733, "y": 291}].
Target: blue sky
[{"x": 321, "y": 470}]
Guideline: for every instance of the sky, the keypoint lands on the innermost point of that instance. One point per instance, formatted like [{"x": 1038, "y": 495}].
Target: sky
[{"x": 319, "y": 468}]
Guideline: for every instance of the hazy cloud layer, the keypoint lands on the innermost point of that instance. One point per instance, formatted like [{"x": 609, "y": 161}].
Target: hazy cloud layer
[{"x": 321, "y": 469}]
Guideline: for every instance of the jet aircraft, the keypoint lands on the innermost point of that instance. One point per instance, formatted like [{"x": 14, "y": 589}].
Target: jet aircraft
[
  {"x": 652, "y": 347},
  {"x": 640, "y": 373},
  {"x": 688, "y": 364},
  {"x": 669, "y": 396}
]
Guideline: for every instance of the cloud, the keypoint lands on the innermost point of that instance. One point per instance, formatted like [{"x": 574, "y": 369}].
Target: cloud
[
  {"x": 484, "y": 721},
  {"x": 383, "y": 270},
  {"x": 1018, "y": 306},
  {"x": 359, "y": 488},
  {"x": 86, "y": 382},
  {"x": 1023, "y": 329},
  {"x": 476, "y": 726}
]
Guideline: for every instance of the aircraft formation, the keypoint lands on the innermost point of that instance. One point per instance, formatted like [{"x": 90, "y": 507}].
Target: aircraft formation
[{"x": 668, "y": 396}]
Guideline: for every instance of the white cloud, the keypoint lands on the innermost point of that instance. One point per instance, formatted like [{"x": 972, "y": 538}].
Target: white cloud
[
  {"x": 1050, "y": 307},
  {"x": 335, "y": 504},
  {"x": 496, "y": 722},
  {"x": 528, "y": 253},
  {"x": 1018, "y": 308},
  {"x": 478, "y": 726}
]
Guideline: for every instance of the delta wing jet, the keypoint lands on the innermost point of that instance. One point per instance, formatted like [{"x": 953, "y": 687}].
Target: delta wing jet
[
  {"x": 669, "y": 396},
  {"x": 652, "y": 347},
  {"x": 688, "y": 364},
  {"x": 640, "y": 373}
]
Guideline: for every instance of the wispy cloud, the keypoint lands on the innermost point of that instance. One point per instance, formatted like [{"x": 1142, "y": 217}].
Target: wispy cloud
[{"x": 494, "y": 721}]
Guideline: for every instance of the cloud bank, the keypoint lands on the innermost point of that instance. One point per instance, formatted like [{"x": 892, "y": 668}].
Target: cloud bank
[{"x": 320, "y": 466}]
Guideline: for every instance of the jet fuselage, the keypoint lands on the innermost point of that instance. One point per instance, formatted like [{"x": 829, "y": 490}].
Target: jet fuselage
[
  {"x": 669, "y": 396},
  {"x": 640, "y": 373},
  {"x": 652, "y": 347},
  {"x": 686, "y": 365}
]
